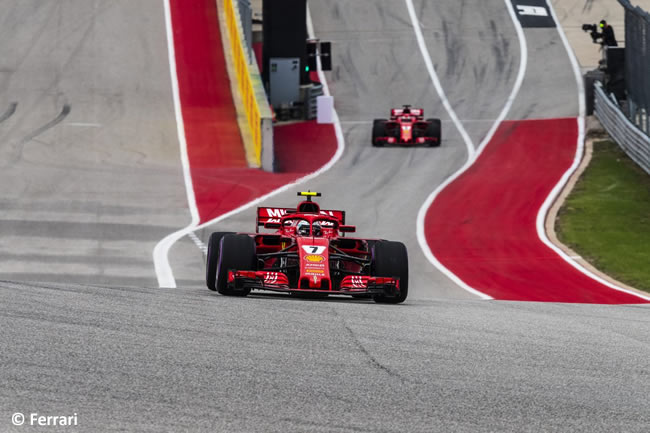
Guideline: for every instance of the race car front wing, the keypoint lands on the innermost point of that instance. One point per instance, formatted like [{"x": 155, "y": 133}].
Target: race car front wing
[
  {"x": 417, "y": 140},
  {"x": 278, "y": 281}
]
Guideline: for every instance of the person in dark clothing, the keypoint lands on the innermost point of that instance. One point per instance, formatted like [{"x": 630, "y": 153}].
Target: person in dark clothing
[{"x": 607, "y": 35}]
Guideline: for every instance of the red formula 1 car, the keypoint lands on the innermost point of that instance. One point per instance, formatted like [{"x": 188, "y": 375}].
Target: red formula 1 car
[
  {"x": 307, "y": 253},
  {"x": 406, "y": 127}
]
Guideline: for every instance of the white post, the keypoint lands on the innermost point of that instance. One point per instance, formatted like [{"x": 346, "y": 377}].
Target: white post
[{"x": 325, "y": 109}]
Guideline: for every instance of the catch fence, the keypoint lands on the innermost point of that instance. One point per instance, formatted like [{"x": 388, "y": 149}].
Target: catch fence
[{"x": 637, "y": 64}]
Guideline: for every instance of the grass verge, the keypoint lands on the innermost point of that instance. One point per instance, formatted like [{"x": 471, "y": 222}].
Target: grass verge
[{"x": 606, "y": 218}]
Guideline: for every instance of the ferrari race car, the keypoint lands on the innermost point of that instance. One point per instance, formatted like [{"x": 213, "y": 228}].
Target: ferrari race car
[
  {"x": 307, "y": 253},
  {"x": 406, "y": 126}
]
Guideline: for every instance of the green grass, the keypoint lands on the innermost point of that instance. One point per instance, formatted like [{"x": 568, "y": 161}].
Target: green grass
[{"x": 606, "y": 218}]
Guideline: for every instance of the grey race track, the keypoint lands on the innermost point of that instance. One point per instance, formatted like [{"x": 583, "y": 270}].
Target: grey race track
[
  {"x": 87, "y": 205},
  {"x": 152, "y": 360}
]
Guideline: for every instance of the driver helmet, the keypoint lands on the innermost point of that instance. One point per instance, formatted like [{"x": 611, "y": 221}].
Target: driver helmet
[
  {"x": 302, "y": 228},
  {"x": 603, "y": 23}
]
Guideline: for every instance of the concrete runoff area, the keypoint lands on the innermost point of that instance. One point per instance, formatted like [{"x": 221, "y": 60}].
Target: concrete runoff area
[{"x": 90, "y": 178}]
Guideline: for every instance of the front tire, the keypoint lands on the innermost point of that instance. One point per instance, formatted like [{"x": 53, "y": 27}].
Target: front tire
[
  {"x": 236, "y": 252},
  {"x": 213, "y": 259},
  {"x": 391, "y": 260},
  {"x": 378, "y": 130}
]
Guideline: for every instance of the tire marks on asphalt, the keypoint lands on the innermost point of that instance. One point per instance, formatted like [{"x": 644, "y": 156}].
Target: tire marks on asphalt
[
  {"x": 38, "y": 131},
  {"x": 10, "y": 111}
]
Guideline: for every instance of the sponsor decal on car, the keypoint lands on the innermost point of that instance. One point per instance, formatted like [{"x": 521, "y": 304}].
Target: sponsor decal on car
[
  {"x": 271, "y": 277},
  {"x": 275, "y": 213},
  {"x": 315, "y": 265},
  {"x": 314, "y": 272},
  {"x": 314, "y": 258},
  {"x": 313, "y": 249}
]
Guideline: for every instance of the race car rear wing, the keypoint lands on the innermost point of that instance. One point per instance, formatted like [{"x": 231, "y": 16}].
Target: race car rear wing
[{"x": 273, "y": 214}]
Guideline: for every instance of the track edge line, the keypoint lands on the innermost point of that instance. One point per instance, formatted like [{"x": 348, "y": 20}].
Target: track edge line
[
  {"x": 164, "y": 272},
  {"x": 555, "y": 192},
  {"x": 472, "y": 156}
]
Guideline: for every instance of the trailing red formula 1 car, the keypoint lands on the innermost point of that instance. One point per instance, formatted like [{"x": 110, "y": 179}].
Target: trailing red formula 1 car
[
  {"x": 406, "y": 127},
  {"x": 307, "y": 253}
]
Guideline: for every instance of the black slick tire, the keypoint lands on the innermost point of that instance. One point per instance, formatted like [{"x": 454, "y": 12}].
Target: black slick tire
[
  {"x": 236, "y": 252},
  {"x": 213, "y": 259},
  {"x": 391, "y": 260},
  {"x": 378, "y": 130}
]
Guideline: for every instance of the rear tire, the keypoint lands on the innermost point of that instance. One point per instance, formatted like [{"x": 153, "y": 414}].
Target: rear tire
[
  {"x": 236, "y": 252},
  {"x": 378, "y": 130},
  {"x": 391, "y": 260},
  {"x": 213, "y": 259},
  {"x": 434, "y": 129}
]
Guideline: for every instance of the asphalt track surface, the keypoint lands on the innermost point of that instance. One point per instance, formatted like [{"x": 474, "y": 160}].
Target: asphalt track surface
[
  {"x": 156, "y": 360},
  {"x": 151, "y": 359}
]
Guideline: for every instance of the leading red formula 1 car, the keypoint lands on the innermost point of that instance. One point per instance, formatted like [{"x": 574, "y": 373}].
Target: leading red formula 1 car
[
  {"x": 406, "y": 127},
  {"x": 307, "y": 253}
]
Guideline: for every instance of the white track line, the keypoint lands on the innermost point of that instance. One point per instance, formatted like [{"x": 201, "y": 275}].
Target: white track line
[
  {"x": 434, "y": 78},
  {"x": 471, "y": 154},
  {"x": 161, "y": 252},
  {"x": 541, "y": 215},
  {"x": 83, "y": 124}
]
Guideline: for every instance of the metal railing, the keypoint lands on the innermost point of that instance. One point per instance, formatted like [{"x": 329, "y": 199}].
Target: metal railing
[{"x": 628, "y": 136}]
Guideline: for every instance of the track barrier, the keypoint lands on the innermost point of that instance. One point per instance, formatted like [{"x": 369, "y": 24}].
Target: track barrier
[
  {"x": 629, "y": 137},
  {"x": 259, "y": 139}
]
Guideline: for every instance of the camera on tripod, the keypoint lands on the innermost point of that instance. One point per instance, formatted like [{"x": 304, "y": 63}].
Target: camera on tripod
[{"x": 593, "y": 29}]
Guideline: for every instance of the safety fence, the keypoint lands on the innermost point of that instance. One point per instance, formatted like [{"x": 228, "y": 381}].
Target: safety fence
[
  {"x": 631, "y": 139},
  {"x": 249, "y": 83},
  {"x": 637, "y": 64}
]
